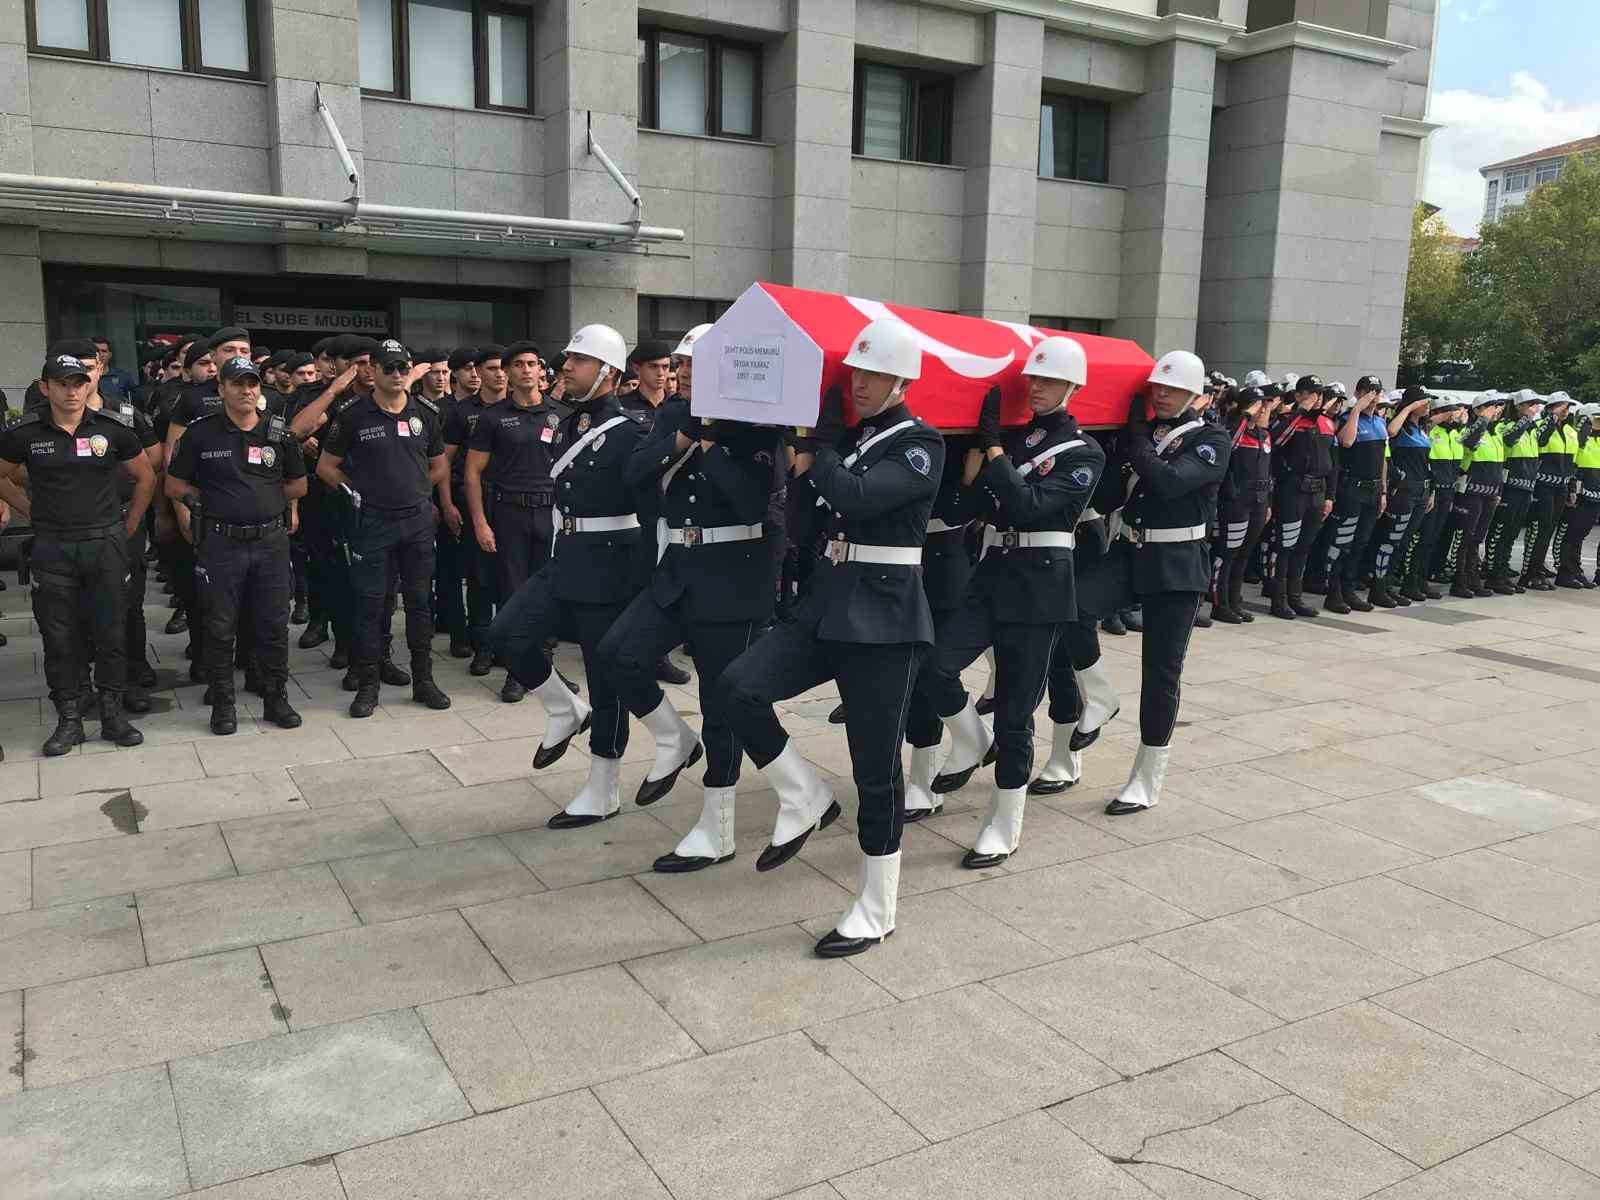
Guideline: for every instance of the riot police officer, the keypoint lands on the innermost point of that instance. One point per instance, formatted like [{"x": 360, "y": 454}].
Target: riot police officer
[
  {"x": 589, "y": 579},
  {"x": 864, "y": 622},
  {"x": 240, "y": 470},
  {"x": 73, "y": 456},
  {"x": 1032, "y": 483},
  {"x": 1179, "y": 463},
  {"x": 387, "y": 454}
]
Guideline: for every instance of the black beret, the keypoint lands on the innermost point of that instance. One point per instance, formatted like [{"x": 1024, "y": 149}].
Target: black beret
[
  {"x": 196, "y": 352},
  {"x": 231, "y": 334},
  {"x": 354, "y": 346},
  {"x": 650, "y": 351},
  {"x": 429, "y": 354},
  {"x": 484, "y": 353},
  {"x": 322, "y": 346},
  {"x": 462, "y": 356},
  {"x": 295, "y": 361},
  {"x": 522, "y": 347}
]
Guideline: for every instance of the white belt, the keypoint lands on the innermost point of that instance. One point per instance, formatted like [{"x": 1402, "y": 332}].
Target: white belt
[
  {"x": 696, "y": 535},
  {"x": 841, "y": 551},
  {"x": 1142, "y": 537},
  {"x": 1010, "y": 539},
  {"x": 566, "y": 524},
  {"x": 935, "y": 525}
]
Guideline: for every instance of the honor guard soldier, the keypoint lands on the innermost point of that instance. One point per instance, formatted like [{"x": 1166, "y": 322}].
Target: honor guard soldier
[
  {"x": 1032, "y": 483},
  {"x": 712, "y": 588},
  {"x": 864, "y": 622},
  {"x": 385, "y": 452},
  {"x": 507, "y": 483},
  {"x": 73, "y": 456},
  {"x": 1179, "y": 464},
  {"x": 240, "y": 470},
  {"x": 1302, "y": 459},
  {"x": 589, "y": 579}
]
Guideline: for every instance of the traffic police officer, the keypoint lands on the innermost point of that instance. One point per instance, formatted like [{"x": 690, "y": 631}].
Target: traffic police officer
[
  {"x": 1444, "y": 467},
  {"x": 1519, "y": 435},
  {"x": 1033, "y": 482},
  {"x": 1558, "y": 447},
  {"x": 1477, "y": 494},
  {"x": 1410, "y": 497},
  {"x": 1582, "y": 515},
  {"x": 240, "y": 470},
  {"x": 1362, "y": 498},
  {"x": 864, "y": 622},
  {"x": 1179, "y": 464},
  {"x": 73, "y": 455},
  {"x": 387, "y": 453},
  {"x": 712, "y": 588},
  {"x": 589, "y": 579}
]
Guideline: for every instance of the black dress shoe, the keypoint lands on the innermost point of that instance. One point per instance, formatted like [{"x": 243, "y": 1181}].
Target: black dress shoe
[
  {"x": 315, "y": 634},
  {"x": 836, "y": 717},
  {"x": 835, "y": 945},
  {"x": 912, "y": 815},
  {"x": 1118, "y": 808},
  {"x": 954, "y": 781},
  {"x": 1049, "y": 787},
  {"x": 1082, "y": 741},
  {"x": 566, "y": 820},
  {"x": 299, "y": 616},
  {"x": 460, "y": 648},
  {"x": 668, "y": 671},
  {"x": 652, "y": 790},
  {"x": 177, "y": 623},
  {"x": 1134, "y": 620},
  {"x": 678, "y": 864},
  {"x": 545, "y": 755},
  {"x": 774, "y": 857},
  {"x": 512, "y": 692},
  {"x": 973, "y": 861},
  {"x": 984, "y": 706},
  {"x": 1226, "y": 615},
  {"x": 1114, "y": 626}
]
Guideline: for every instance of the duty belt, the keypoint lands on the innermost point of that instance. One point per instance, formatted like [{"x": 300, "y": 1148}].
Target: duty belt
[
  {"x": 841, "y": 552},
  {"x": 1013, "y": 539},
  {"x": 241, "y": 533},
  {"x": 544, "y": 498},
  {"x": 1158, "y": 537},
  {"x": 700, "y": 535},
  {"x": 409, "y": 510},
  {"x": 614, "y": 524},
  {"x": 1364, "y": 485},
  {"x": 79, "y": 535}
]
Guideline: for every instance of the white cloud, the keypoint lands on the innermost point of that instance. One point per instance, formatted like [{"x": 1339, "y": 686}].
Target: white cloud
[{"x": 1481, "y": 129}]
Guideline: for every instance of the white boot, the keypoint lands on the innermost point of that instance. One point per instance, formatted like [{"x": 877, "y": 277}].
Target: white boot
[
  {"x": 970, "y": 744},
  {"x": 566, "y": 716},
  {"x": 805, "y": 803},
  {"x": 600, "y": 798},
  {"x": 1002, "y": 829},
  {"x": 1143, "y": 789},
  {"x": 1101, "y": 702},
  {"x": 1064, "y": 767},
  {"x": 871, "y": 918},
  {"x": 920, "y": 802},
  {"x": 677, "y": 746},
  {"x": 710, "y": 841}
]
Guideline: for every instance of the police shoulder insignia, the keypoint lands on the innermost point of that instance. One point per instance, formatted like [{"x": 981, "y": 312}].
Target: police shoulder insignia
[
  {"x": 1207, "y": 453},
  {"x": 1033, "y": 439},
  {"x": 346, "y": 403},
  {"x": 31, "y": 417},
  {"x": 920, "y": 460},
  {"x": 416, "y": 426},
  {"x": 552, "y": 419},
  {"x": 121, "y": 418},
  {"x": 763, "y": 456},
  {"x": 428, "y": 404},
  {"x": 1083, "y": 477},
  {"x": 1046, "y": 465}
]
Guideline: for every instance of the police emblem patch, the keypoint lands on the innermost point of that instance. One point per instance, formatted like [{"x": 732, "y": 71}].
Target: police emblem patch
[
  {"x": 866, "y": 432},
  {"x": 920, "y": 460},
  {"x": 552, "y": 419},
  {"x": 1159, "y": 432},
  {"x": 1208, "y": 453},
  {"x": 1046, "y": 465},
  {"x": 583, "y": 423},
  {"x": 99, "y": 445},
  {"x": 1083, "y": 477},
  {"x": 416, "y": 426},
  {"x": 763, "y": 456},
  {"x": 1033, "y": 439},
  {"x": 269, "y": 456}
]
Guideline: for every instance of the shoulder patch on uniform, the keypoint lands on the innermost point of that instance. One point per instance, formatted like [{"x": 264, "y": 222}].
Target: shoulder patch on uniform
[
  {"x": 763, "y": 456},
  {"x": 428, "y": 404},
  {"x": 1046, "y": 465},
  {"x": 205, "y": 416},
  {"x": 31, "y": 417},
  {"x": 346, "y": 403},
  {"x": 1207, "y": 452},
  {"x": 920, "y": 460},
  {"x": 1082, "y": 477},
  {"x": 119, "y": 418}
]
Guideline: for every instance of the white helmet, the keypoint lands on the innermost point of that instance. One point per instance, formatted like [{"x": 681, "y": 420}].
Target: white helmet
[
  {"x": 1180, "y": 369},
  {"x": 1058, "y": 358},
  {"x": 1257, "y": 379},
  {"x": 602, "y": 342},
  {"x": 1525, "y": 396},
  {"x": 1555, "y": 398},
  {"x": 889, "y": 346},
  {"x": 1488, "y": 398},
  {"x": 1589, "y": 410},
  {"x": 1290, "y": 378},
  {"x": 686, "y": 347}
]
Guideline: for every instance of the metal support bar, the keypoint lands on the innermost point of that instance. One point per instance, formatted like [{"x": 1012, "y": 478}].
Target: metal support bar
[
  {"x": 615, "y": 172},
  {"x": 340, "y": 148}
]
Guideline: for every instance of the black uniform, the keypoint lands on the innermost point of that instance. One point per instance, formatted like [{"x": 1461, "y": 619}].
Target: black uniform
[
  {"x": 242, "y": 539},
  {"x": 713, "y": 586},
  {"x": 1410, "y": 485},
  {"x": 518, "y": 492},
  {"x": 474, "y": 566},
  {"x": 1303, "y": 466},
  {"x": 449, "y": 609},
  {"x": 386, "y": 456},
  {"x": 136, "y": 641},
  {"x": 864, "y": 624},
  {"x": 1242, "y": 504},
  {"x": 80, "y": 548},
  {"x": 327, "y": 574},
  {"x": 1019, "y": 594},
  {"x": 589, "y": 578}
]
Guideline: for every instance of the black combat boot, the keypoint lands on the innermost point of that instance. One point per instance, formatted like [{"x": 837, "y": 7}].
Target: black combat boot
[
  {"x": 69, "y": 729},
  {"x": 1280, "y": 601},
  {"x": 366, "y": 698},
  {"x": 314, "y": 635},
  {"x": 224, "y": 713},
  {"x": 275, "y": 707},
  {"x": 340, "y": 658},
  {"x": 511, "y": 692},
  {"x": 1354, "y": 599},
  {"x": 1379, "y": 595},
  {"x": 391, "y": 673},
  {"x": 1297, "y": 600},
  {"x": 424, "y": 690},
  {"x": 114, "y": 726},
  {"x": 482, "y": 661},
  {"x": 1333, "y": 600}
]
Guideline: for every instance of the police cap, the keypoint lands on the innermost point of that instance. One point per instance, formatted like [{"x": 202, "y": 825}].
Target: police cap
[
  {"x": 391, "y": 354},
  {"x": 1414, "y": 393},
  {"x": 1308, "y": 383},
  {"x": 240, "y": 368},
  {"x": 1368, "y": 383},
  {"x": 66, "y": 366},
  {"x": 83, "y": 348}
]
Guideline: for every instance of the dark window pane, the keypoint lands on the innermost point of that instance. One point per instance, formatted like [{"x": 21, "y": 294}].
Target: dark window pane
[
  {"x": 934, "y": 112},
  {"x": 1091, "y": 139}
]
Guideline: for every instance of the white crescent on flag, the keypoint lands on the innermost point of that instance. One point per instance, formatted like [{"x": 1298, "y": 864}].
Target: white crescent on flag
[{"x": 962, "y": 362}]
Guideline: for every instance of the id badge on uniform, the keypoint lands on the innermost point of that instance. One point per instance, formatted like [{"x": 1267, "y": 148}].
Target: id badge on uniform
[
  {"x": 253, "y": 456},
  {"x": 84, "y": 449},
  {"x": 403, "y": 427},
  {"x": 547, "y": 434}
]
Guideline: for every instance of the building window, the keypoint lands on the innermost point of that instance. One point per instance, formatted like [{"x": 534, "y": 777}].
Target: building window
[
  {"x": 703, "y": 85},
  {"x": 1492, "y": 202},
  {"x": 1548, "y": 172},
  {"x": 210, "y": 37},
  {"x": 1089, "y": 325},
  {"x": 669, "y": 318},
  {"x": 453, "y": 53},
  {"x": 1072, "y": 138},
  {"x": 902, "y": 114},
  {"x": 1517, "y": 181}
]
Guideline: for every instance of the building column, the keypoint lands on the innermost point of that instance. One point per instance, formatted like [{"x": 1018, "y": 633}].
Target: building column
[
  {"x": 1159, "y": 144},
  {"x": 586, "y": 78},
  {"x": 807, "y": 111},
  {"x": 997, "y": 138},
  {"x": 1401, "y": 155},
  {"x": 22, "y": 332}
]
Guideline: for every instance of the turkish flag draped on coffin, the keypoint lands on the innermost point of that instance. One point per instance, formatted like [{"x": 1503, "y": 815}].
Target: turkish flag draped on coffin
[{"x": 770, "y": 357}]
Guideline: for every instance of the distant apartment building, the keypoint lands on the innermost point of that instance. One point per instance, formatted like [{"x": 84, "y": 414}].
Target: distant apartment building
[{"x": 1507, "y": 185}]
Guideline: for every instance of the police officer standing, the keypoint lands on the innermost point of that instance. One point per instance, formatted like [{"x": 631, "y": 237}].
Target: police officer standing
[
  {"x": 1245, "y": 501},
  {"x": 386, "y": 453},
  {"x": 1362, "y": 498},
  {"x": 455, "y": 546},
  {"x": 1520, "y": 438},
  {"x": 1303, "y": 462},
  {"x": 73, "y": 456},
  {"x": 1410, "y": 497},
  {"x": 237, "y": 472},
  {"x": 1179, "y": 462},
  {"x": 1558, "y": 449},
  {"x": 507, "y": 483},
  {"x": 1032, "y": 482},
  {"x": 864, "y": 622}
]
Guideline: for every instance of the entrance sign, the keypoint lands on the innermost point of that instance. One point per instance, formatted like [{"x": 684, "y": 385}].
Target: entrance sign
[
  {"x": 312, "y": 320},
  {"x": 777, "y": 349}
]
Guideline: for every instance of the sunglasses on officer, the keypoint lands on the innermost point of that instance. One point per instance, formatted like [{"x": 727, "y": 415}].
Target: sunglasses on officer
[{"x": 395, "y": 368}]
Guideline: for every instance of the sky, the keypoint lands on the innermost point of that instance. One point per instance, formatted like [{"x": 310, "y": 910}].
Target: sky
[{"x": 1509, "y": 77}]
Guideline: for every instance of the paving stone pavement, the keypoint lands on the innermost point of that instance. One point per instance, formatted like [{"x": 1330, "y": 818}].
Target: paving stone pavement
[{"x": 1355, "y": 952}]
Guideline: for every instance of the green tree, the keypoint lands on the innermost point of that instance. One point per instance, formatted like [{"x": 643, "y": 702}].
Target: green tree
[
  {"x": 1433, "y": 325},
  {"x": 1532, "y": 308}
]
